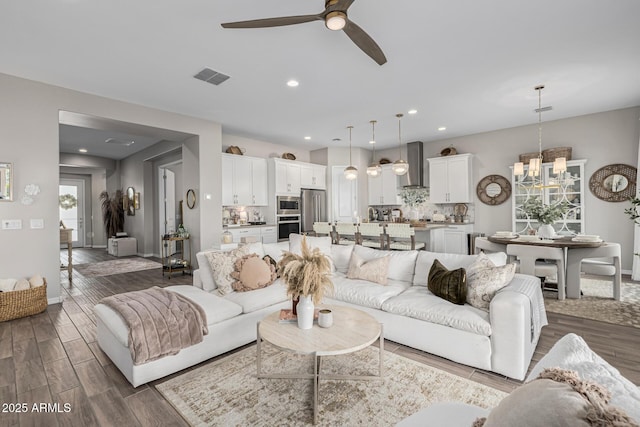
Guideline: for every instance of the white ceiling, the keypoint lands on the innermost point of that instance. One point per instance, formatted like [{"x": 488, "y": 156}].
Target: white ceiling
[{"x": 469, "y": 65}]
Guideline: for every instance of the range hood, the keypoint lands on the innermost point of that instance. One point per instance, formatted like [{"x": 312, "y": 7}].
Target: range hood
[{"x": 415, "y": 176}]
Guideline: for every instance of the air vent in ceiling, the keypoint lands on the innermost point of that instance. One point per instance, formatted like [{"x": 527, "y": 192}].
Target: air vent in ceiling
[{"x": 210, "y": 76}]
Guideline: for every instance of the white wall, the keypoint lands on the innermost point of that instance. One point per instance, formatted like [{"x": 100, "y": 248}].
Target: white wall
[{"x": 29, "y": 139}]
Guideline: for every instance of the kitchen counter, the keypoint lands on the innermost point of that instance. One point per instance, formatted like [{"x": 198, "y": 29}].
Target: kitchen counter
[{"x": 236, "y": 226}]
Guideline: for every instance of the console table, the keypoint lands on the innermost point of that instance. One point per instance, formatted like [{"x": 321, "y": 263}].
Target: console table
[{"x": 65, "y": 237}]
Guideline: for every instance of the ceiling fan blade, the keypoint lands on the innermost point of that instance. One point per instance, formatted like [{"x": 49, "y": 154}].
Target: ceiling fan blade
[
  {"x": 364, "y": 42},
  {"x": 273, "y": 22},
  {"x": 341, "y": 5}
]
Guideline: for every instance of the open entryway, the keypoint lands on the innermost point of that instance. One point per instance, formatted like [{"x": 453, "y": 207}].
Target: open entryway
[
  {"x": 169, "y": 215},
  {"x": 71, "y": 206}
]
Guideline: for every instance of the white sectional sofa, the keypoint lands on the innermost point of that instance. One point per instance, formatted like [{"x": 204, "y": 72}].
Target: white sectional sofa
[{"x": 502, "y": 340}]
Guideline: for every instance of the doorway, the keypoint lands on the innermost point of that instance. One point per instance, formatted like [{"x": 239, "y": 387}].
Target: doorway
[
  {"x": 71, "y": 207},
  {"x": 345, "y": 196},
  {"x": 169, "y": 216}
]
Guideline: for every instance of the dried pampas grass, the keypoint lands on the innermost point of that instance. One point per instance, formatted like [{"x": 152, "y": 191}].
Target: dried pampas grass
[{"x": 306, "y": 275}]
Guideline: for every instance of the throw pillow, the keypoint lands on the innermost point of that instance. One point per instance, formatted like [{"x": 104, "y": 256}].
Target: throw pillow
[
  {"x": 449, "y": 285},
  {"x": 271, "y": 261},
  {"x": 557, "y": 397},
  {"x": 251, "y": 273},
  {"x": 323, "y": 244},
  {"x": 485, "y": 279},
  {"x": 222, "y": 265},
  {"x": 7, "y": 285},
  {"x": 36, "y": 281},
  {"x": 21, "y": 285},
  {"x": 374, "y": 270}
]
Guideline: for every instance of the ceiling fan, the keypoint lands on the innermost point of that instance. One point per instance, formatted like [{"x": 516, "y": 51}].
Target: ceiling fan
[{"x": 334, "y": 17}]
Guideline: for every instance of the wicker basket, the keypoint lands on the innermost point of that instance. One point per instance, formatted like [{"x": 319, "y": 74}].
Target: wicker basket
[
  {"x": 550, "y": 154},
  {"x": 524, "y": 158},
  {"x": 16, "y": 304}
]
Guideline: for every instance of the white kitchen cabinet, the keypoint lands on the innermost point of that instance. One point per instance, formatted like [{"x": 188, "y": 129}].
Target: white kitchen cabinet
[
  {"x": 313, "y": 176},
  {"x": 450, "y": 179},
  {"x": 269, "y": 234},
  {"x": 244, "y": 181},
  {"x": 383, "y": 189},
  {"x": 452, "y": 239},
  {"x": 287, "y": 177},
  {"x": 239, "y": 233}
]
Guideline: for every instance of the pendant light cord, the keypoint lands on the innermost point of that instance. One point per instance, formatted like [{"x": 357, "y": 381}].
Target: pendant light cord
[
  {"x": 399, "y": 116},
  {"x": 350, "y": 127},
  {"x": 373, "y": 138},
  {"x": 539, "y": 88}
]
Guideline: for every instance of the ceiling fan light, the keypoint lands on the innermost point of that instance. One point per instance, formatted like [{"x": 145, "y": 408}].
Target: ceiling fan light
[
  {"x": 350, "y": 172},
  {"x": 335, "y": 21},
  {"x": 374, "y": 170},
  {"x": 400, "y": 167}
]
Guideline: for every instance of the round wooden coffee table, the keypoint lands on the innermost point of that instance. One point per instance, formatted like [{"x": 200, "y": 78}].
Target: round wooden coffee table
[{"x": 352, "y": 330}]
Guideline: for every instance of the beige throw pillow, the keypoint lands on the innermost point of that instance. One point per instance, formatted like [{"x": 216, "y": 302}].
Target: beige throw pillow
[
  {"x": 7, "y": 285},
  {"x": 21, "y": 285},
  {"x": 222, "y": 265},
  {"x": 374, "y": 270},
  {"x": 251, "y": 272},
  {"x": 484, "y": 279},
  {"x": 36, "y": 281}
]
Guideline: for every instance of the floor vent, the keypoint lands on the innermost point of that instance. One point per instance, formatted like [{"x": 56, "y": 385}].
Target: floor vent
[{"x": 210, "y": 76}]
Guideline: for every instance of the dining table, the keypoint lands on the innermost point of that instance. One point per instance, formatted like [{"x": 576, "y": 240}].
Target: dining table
[{"x": 572, "y": 275}]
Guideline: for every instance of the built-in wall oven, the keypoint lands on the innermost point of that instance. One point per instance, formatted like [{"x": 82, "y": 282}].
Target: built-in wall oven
[
  {"x": 287, "y": 224},
  {"x": 288, "y": 205}
]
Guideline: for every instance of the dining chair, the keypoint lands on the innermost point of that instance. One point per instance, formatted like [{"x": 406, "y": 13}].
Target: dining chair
[
  {"x": 324, "y": 229},
  {"x": 346, "y": 233},
  {"x": 601, "y": 261},
  {"x": 402, "y": 237},
  {"x": 541, "y": 261},
  {"x": 483, "y": 243},
  {"x": 371, "y": 234}
]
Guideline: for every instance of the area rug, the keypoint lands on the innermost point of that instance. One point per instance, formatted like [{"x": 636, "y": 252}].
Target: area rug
[
  {"x": 227, "y": 393},
  {"x": 597, "y": 303},
  {"x": 118, "y": 266}
]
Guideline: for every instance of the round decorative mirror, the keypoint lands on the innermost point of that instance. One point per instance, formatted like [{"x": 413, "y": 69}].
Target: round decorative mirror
[
  {"x": 191, "y": 198},
  {"x": 493, "y": 189},
  {"x": 614, "y": 183},
  {"x": 131, "y": 208}
]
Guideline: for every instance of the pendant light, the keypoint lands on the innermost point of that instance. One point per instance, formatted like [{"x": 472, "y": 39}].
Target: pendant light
[
  {"x": 400, "y": 167},
  {"x": 374, "y": 168},
  {"x": 350, "y": 172}
]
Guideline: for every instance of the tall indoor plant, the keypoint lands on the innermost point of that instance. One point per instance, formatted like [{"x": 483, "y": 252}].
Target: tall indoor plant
[
  {"x": 308, "y": 277},
  {"x": 112, "y": 212}
]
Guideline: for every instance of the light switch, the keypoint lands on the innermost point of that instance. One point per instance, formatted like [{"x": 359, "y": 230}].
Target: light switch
[
  {"x": 11, "y": 224},
  {"x": 37, "y": 223}
]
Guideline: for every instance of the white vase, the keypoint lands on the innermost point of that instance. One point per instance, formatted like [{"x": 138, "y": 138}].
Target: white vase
[
  {"x": 305, "y": 311},
  {"x": 546, "y": 231}
]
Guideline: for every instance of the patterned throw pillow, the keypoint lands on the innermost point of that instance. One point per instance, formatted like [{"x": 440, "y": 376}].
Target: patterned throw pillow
[
  {"x": 222, "y": 265},
  {"x": 449, "y": 285},
  {"x": 251, "y": 272},
  {"x": 485, "y": 279},
  {"x": 374, "y": 270}
]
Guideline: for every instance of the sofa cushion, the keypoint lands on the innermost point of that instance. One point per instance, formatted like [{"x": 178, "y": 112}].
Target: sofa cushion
[
  {"x": 419, "y": 303},
  {"x": 252, "y": 272},
  {"x": 572, "y": 352},
  {"x": 365, "y": 293},
  {"x": 323, "y": 244},
  {"x": 450, "y": 261},
  {"x": 341, "y": 255},
  {"x": 401, "y": 263},
  {"x": 274, "y": 250},
  {"x": 216, "y": 308},
  {"x": 254, "y": 248},
  {"x": 260, "y": 298},
  {"x": 374, "y": 270},
  {"x": 484, "y": 279},
  {"x": 565, "y": 399},
  {"x": 450, "y": 285}
]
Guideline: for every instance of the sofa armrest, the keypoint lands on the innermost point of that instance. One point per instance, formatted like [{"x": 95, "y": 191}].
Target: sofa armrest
[
  {"x": 197, "y": 280},
  {"x": 513, "y": 336}
]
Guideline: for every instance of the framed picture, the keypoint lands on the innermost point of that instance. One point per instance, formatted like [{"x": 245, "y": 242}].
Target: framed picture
[{"x": 136, "y": 201}]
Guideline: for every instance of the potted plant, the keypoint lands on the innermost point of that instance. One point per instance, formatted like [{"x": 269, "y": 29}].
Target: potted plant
[
  {"x": 545, "y": 214},
  {"x": 307, "y": 278},
  {"x": 112, "y": 212}
]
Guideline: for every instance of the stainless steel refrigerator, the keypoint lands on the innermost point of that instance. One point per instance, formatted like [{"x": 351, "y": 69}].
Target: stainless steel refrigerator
[{"x": 313, "y": 208}]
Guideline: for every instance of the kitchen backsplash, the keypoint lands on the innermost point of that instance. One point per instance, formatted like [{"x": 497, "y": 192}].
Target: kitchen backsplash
[{"x": 242, "y": 214}]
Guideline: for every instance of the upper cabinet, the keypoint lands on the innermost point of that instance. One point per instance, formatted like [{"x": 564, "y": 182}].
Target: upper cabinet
[
  {"x": 287, "y": 174},
  {"x": 244, "y": 181},
  {"x": 450, "y": 179},
  {"x": 383, "y": 189},
  {"x": 313, "y": 176}
]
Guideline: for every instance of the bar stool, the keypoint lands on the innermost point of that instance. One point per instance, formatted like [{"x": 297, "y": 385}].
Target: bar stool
[
  {"x": 371, "y": 235},
  {"x": 530, "y": 261},
  {"x": 346, "y": 233},
  {"x": 323, "y": 229},
  {"x": 600, "y": 261},
  {"x": 402, "y": 237}
]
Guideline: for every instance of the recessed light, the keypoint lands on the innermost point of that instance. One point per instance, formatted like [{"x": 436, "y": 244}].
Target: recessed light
[
  {"x": 293, "y": 83},
  {"x": 307, "y": 138},
  {"x": 82, "y": 150},
  {"x": 442, "y": 128},
  {"x": 412, "y": 111}
]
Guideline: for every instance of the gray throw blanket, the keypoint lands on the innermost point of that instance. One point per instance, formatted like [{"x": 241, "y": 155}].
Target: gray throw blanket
[{"x": 160, "y": 322}]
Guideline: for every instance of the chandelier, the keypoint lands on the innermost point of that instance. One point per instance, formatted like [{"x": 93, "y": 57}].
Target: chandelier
[
  {"x": 374, "y": 168},
  {"x": 400, "y": 167},
  {"x": 350, "y": 172}
]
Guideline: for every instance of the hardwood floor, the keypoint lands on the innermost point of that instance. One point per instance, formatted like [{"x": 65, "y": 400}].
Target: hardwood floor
[{"x": 54, "y": 357}]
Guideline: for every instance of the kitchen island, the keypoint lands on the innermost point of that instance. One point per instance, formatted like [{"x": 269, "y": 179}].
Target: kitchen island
[{"x": 450, "y": 237}]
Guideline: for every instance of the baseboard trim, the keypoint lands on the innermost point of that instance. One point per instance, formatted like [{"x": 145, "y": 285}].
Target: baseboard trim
[
  {"x": 55, "y": 300},
  {"x": 629, "y": 272},
  {"x": 99, "y": 246}
]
